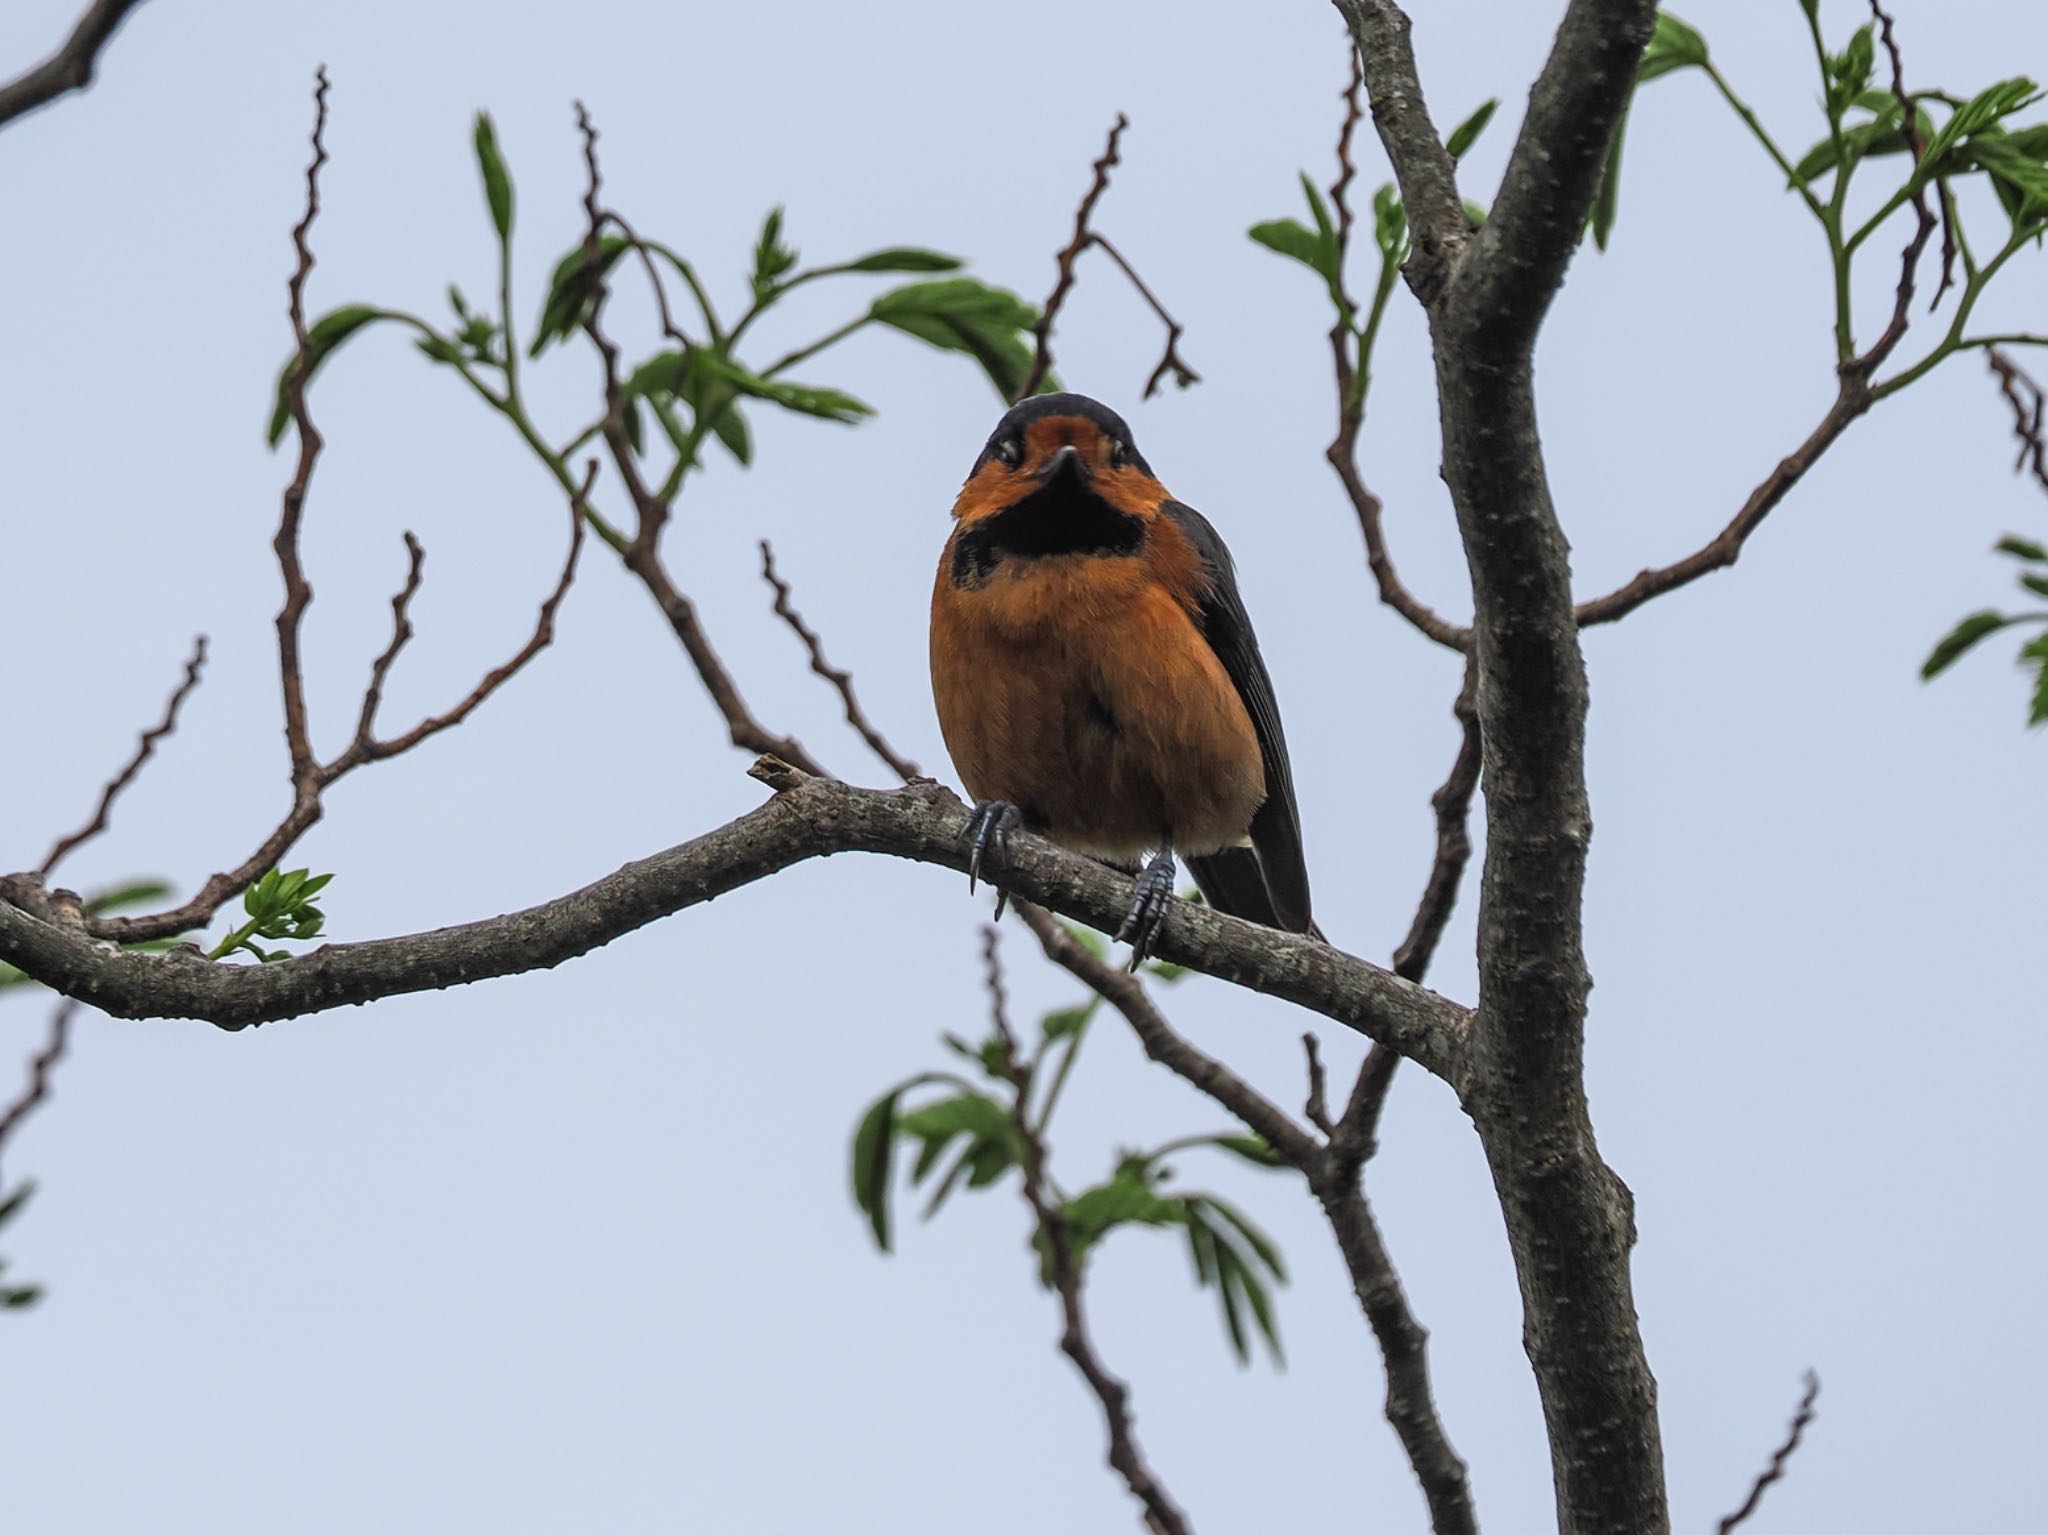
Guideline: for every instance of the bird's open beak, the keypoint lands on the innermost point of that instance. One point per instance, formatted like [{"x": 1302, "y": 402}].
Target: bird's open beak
[{"x": 1067, "y": 461}]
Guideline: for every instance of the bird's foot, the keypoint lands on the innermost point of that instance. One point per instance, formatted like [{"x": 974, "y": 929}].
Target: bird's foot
[
  {"x": 1151, "y": 897},
  {"x": 988, "y": 830}
]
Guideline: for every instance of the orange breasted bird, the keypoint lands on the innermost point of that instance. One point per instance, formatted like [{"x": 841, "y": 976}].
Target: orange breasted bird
[{"x": 1097, "y": 678}]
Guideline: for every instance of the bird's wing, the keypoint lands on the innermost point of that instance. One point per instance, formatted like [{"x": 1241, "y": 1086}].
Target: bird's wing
[{"x": 1267, "y": 882}]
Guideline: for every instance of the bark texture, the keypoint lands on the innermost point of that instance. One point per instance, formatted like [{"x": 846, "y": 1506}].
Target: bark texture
[{"x": 1569, "y": 1220}]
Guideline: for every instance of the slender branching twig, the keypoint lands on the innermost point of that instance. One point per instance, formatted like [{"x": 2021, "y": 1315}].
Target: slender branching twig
[
  {"x": 1170, "y": 360},
  {"x": 39, "y": 1070},
  {"x": 143, "y": 748},
  {"x": 1125, "y": 1457},
  {"x": 839, "y": 677},
  {"x": 1776, "y": 1469}
]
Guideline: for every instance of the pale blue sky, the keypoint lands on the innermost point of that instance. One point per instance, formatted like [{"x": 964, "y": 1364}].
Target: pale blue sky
[{"x": 573, "y": 1252}]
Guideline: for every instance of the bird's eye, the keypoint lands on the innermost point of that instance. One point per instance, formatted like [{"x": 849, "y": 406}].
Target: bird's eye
[
  {"x": 1010, "y": 451},
  {"x": 1118, "y": 453}
]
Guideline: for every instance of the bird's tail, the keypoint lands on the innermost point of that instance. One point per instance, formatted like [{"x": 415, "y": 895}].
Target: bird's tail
[{"x": 1234, "y": 882}]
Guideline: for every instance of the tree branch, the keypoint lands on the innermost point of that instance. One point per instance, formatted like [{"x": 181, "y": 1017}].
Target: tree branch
[
  {"x": 71, "y": 67},
  {"x": 1342, "y": 452},
  {"x": 1422, "y": 166},
  {"x": 1170, "y": 360},
  {"x": 1518, "y": 260},
  {"x": 643, "y": 554},
  {"x": 1127, "y": 994},
  {"x": 1569, "y": 1220},
  {"x": 2029, "y": 402},
  {"x": 143, "y": 748},
  {"x": 1852, "y": 400},
  {"x": 808, "y": 818},
  {"x": 1162, "y": 1515},
  {"x": 39, "y": 1070},
  {"x": 839, "y": 677},
  {"x": 1776, "y": 1469}
]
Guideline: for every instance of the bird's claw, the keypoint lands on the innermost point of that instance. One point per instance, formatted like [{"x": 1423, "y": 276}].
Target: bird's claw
[
  {"x": 989, "y": 827},
  {"x": 1151, "y": 897}
]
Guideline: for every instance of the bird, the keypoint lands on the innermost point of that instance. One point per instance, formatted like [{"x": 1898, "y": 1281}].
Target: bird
[{"x": 1097, "y": 679}]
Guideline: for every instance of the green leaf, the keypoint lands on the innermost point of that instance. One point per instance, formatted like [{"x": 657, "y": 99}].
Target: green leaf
[
  {"x": 1959, "y": 639},
  {"x": 1389, "y": 222},
  {"x": 1607, "y": 200},
  {"x": 1087, "y": 938},
  {"x": 140, "y": 892},
  {"x": 1294, "y": 239},
  {"x": 967, "y": 1113},
  {"x": 1466, "y": 134},
  {"x": 1064, "y": 1021},
  {"x": 828, "y": 404},
  {"x": 2012, "y": 544},
  {"x": 960, "y": 314},
  {"x": 1253, "y": 1148},
  {"x": 905, "y": 258},
  {"x": 11, "y": 1204},
  {"x": 1673, "y": 45},
  {"x": 2036, "y": 651},
  {"x": 730, "y": 428},
  {"x": 497, "y": 180},
  {"x": 2038, "y": 585},
  {"x": 1317, "y": 207},
  {"x": 1262, "y": 1246},
  {"x": 438, "y": 348},
  {"x": 323, "y": 338},
  {"x": 772, "y": 258},
  {"x": 1874, "y": 139},
  {"x": 874, "y": 1145},
  {"x": 1848, "y": 72},
  {"x": 570, "y": 290}
]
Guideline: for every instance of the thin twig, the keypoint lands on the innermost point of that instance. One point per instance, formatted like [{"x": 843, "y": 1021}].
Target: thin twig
[
  {"x": 70, "y": 68},
  {"x": 1909, "y": 262},
  {"x": 1776, "y": 1469},
  {"x": 841, "y": 679},
  {"x": 1170, "y": 360},
  {"x": 143, "y": 748},
  {"x": 1161, "y": 1513},
  {"x": 2029, "y": 402},
  {"x": 39, "y": 1070},
  {"x": 1410, "y": 1404},
  {"x": 1851, "y": 401},
  {"x": 1317, "y": 1109},
  {"x": 366, "y": 748},
  {"x": 1127, "y": 994},
  {"x": 401, "y": 632},
  {"x": 297, "y": 594},
  {"x": 1342, "y": 452},
  {"x": 1354, "y": 1141},
  {"x": 643, "y": 553}
]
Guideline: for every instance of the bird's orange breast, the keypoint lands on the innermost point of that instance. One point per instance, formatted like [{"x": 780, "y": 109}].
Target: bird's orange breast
[{"x": 1079, "y": 688}]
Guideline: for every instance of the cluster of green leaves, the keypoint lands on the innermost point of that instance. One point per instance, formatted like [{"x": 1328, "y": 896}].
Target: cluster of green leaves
[
  {"x": 962, "y": 1134},
  {"x": 116, "y": 898},
  {"x": 14, "y": 1297},
  {"x": 278, "y": 906},
  {"x": 2033, "y": 579},
  {"x": 1322, "y": 248},
  {"x": 696, "y": 386},
  {"x": 1962, "y": 136}
]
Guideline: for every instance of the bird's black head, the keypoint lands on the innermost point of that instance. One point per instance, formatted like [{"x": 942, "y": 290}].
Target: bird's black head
[
  {"x": 1060, "y": 475},
  {"x": 1043, "y": 424}
]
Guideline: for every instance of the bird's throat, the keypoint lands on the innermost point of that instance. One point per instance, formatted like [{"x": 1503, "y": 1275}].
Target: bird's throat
[{"x": 1062, "y": 517}]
